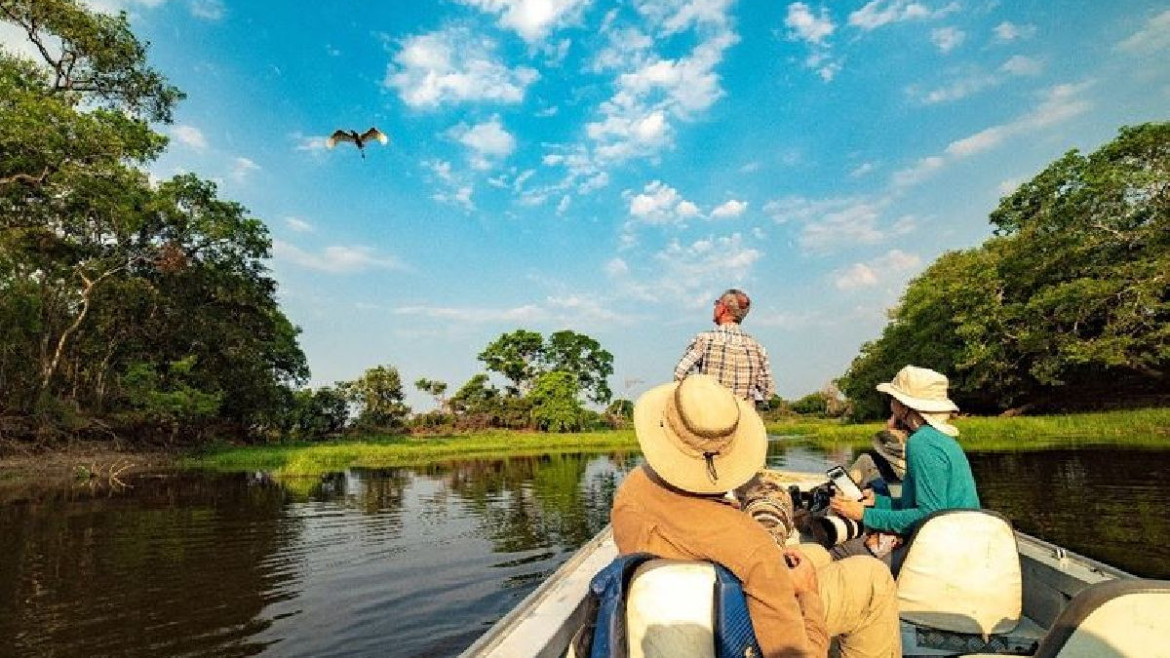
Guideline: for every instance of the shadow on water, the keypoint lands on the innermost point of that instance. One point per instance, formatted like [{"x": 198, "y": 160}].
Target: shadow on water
[{"x": 416, "y": 562}]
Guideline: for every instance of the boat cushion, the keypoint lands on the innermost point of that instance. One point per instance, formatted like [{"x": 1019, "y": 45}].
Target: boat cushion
[
  {"x": 1118, "y": 618},
  {"x": 670, "y": 610},
  {"x": 961, "y": 573}
]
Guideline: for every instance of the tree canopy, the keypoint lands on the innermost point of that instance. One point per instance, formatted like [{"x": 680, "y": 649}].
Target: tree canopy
[
  {"x": 124, "y": 304},
  {"x": 1066, "y": 306}
]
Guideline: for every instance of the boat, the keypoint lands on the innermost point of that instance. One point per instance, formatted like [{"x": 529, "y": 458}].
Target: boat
[{"x": 543, "y": 623}]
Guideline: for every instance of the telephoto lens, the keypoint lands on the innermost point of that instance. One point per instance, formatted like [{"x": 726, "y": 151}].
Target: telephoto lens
[{"x": 830, "y": 530}]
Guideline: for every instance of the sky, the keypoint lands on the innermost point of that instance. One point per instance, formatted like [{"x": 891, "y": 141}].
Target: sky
[{"x": 612, "y": 167}]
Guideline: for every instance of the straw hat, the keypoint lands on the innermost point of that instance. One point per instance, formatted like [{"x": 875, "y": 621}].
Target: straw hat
[
  {"x": 698, "y": 436},
  {"x": 892, "y": 447},
  {"x": 924, "y": 391}
]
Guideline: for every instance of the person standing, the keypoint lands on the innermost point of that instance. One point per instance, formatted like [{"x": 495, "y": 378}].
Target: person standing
[
  {"x": 700, "y": 441},
  {"x": 729, "y": 355}
]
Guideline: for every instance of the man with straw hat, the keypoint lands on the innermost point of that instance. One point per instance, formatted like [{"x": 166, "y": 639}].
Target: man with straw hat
[
  {"x": 700, "y": 441},
  {"x": 938, "y": 476}
]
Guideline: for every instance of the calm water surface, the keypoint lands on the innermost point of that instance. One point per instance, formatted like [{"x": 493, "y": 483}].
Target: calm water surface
[{"x": 416, "y": 562}]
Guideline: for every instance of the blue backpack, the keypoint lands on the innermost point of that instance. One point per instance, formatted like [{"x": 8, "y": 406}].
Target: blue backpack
[{"x": 604, "y": 633}]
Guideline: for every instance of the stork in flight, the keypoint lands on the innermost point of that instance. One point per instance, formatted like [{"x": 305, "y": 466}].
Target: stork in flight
[{"x": 358, "y": 140}]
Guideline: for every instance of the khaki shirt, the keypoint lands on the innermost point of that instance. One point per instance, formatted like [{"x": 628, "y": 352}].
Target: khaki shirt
[{"x": 650, "y": 518}]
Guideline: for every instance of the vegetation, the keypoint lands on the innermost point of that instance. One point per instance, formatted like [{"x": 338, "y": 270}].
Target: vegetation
[
  {"x": 1143, "y": 427},
  {"x": 384, "y": 451},
  {"x": 126, "y": 307},
  {"x": 1066, "y": 307}
]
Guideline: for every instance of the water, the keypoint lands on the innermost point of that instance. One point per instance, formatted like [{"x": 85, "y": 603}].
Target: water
[{"x": 416, "y": 562}]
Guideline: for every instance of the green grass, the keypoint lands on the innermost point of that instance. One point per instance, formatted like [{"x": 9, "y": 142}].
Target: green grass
[
  {"x": 308, "y": 459},
  {"x": 1141, "y": 428},
  {"x": 1136, "y": 428}
]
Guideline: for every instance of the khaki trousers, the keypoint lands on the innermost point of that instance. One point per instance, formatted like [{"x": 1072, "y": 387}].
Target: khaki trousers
[{"x": 861, "y": 604}]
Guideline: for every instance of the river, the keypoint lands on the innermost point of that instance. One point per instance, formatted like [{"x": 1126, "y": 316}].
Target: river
[{"x": 417, "y": 562}]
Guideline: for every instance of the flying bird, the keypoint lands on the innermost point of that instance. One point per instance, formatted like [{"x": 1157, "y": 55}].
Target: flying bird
[{"x": 358, "y": 140}]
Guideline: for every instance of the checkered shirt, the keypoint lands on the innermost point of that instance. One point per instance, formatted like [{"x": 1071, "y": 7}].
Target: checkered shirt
[{"x": 732, "y": 357}]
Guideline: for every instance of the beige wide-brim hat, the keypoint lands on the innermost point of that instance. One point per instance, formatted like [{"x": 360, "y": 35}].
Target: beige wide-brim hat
[
  {"x": 924, "y": 391},
  {"x": 698, "y": 436}
]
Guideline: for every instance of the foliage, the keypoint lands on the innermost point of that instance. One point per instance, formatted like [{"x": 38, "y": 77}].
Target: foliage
[
  {"x": 554, "y": 403},
  {"x": 317, "y": 414},
  {"x": 1071, "y": 294},
  {"x": 524, "y": 356},
  {"x": 127, "y": 303},
  {"x": 379, "y": 397}
]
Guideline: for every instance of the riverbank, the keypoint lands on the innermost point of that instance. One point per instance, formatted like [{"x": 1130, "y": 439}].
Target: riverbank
[{"x": 1130, "y": 428}]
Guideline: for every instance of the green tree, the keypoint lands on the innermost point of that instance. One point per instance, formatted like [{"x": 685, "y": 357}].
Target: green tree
[
  {"x": 555, "y": 407},
  {"x": 1068, "y": 305},
  {"x": 583, "y": 357},
  {"x": 435, "y": 389},
  {"x": 379, "y": 397},
  {"x": 516, "y": 356}
]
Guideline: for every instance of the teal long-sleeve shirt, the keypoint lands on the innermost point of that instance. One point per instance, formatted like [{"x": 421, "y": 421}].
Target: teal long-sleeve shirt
[{"x": 938, "y": 477}]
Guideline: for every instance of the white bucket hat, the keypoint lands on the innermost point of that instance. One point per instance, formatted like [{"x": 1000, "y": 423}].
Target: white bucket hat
[
  {"x": 924, "y": 391},
  {"x": 698, "y": 436}
]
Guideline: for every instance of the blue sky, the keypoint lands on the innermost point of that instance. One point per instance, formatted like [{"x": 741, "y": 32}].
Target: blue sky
[{"x": 611, "y": 167}]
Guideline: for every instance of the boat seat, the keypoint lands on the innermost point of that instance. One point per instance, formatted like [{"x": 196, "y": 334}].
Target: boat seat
[
  {"x": 687, "y": 608},
  {"x": 961, "y": 574},
  {"x": 1113, "y": 619}
]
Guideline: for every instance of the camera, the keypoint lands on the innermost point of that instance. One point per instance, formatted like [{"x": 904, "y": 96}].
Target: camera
[{"x": 826, "y": 527}]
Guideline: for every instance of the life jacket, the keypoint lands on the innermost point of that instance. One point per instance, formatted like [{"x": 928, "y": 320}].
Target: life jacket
[{"x": 603, "y": 634}]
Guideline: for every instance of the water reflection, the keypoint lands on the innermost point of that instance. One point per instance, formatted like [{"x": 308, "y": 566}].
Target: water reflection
[{"x": 417, "y": 562}]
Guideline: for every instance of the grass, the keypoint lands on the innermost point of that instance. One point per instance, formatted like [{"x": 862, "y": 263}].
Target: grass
[
  {"x": 1139, "y": 428},
  {"x": 307, "y": 459},
  {"x": 1135, "y": 428}
]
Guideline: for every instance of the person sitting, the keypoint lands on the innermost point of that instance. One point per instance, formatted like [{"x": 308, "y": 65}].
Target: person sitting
[
  {"x": 699, "y": 442},
  {"x": 938, "y": 475}
]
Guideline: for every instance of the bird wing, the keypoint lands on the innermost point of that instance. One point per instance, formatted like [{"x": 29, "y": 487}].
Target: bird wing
[
  {"x": 338, "y": 136},
  {"x": 374, "y": 133}
]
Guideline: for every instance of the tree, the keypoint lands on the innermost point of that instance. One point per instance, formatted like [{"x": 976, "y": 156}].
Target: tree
[
  {"x": 122, "y": 301},
  {"x": 583, "y": 357},
  {"x": 434, "y": 388},
  {"x": 379, "y": 397},
  {"x": 1068, "y": 305},
  {"x": 554, "y": 402},
  {"x": 516, "y": 356}
]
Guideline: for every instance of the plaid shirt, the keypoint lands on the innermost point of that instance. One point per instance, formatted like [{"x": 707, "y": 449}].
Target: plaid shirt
[{"x": 732, "y": 357}]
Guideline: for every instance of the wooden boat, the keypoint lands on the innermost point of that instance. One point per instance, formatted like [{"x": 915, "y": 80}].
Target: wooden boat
[{"x": 542, "y": 625}]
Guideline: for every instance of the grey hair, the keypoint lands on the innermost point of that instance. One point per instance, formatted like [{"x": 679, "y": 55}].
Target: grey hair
[{"x": 737, "y": 302}]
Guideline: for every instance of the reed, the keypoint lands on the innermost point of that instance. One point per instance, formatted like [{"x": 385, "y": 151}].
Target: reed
[
  {"x": 1140, "y": 428},
  {"x": 308, "y": 459}
]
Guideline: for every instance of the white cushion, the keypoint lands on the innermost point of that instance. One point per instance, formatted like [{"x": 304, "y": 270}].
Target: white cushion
[
  {"x": 1132, "y": 625},
  {"x": 670, "y": 610},
  {"x": 962, "y": 574}
]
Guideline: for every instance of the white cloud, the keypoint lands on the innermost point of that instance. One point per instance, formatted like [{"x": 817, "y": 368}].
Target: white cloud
[
  {"x": 1058, "y": 104},
  {"x": 659, "y": 203},
  {"x": 1009, "y": 31},
  {"x": 947, "y": 39},
  {"x": 533, "y": 20},
  {"x": 692, "y": 274},
  {"x": 803, "y": 25},
  {"x": 1152, "y": 38},
  {"x": 919, "y": 171},
  {"x": 617, "y": 267},
  {"x": 241, "y": 167},
  {"x": 750, "y": 167},
  {"x": 115, "y": 6},
  {"x": 861, "y": 170},
  {"x": 677, "y": 15},
  {"x": 877, "y": 13},
  {"x": 563, "y": 205},
  {"x": 189, "y": 136},
  {"x": 528, "y": 313},
  {"x": 335, "y": 259},
  {"x": 1022, "y": 65},
  {"x": 488, "y": 142},
  {"x": 453, "y": 66},
  {"x": 731, "y": 208},
  {"x": 211, "y": 10},
  {"x": 299, "y": 225},
  {"x": 867, "y": 275},
  {"x": 309, "y": 143},
  {"x": 831, "y": 223}
]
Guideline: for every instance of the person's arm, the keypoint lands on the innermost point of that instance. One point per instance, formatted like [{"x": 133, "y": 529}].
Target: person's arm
[
  {"x": 931, "y": 470},
  {"x": 765, "y": 384},
  {"x": 691, "y": 358},
  {"x": 789, "y": 619}
]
